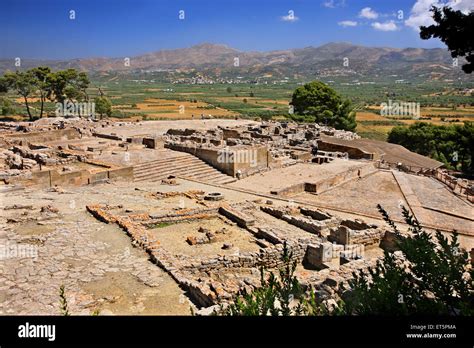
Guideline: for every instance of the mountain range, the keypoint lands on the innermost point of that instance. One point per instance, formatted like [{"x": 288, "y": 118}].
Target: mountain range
[{"x": 332, "y": 59}]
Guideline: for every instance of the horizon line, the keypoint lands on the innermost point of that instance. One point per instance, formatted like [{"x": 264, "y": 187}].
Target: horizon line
[{"x": 223, "y": 45}]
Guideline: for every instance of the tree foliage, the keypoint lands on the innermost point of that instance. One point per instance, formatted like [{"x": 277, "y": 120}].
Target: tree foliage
[
  {"x": 23, "y": 83},
  {"x": 452, "y": 144},
  {"x": 456, "y": 30},
  {"x": 6, "y": 107},
  {"x": 430, "y": 275},
  {"x": 103, "y": 106},
  {"x": 69, "y": 84},
  {"x": 275, "y": 295},
  {"x": 45, "y": 84},
  {"x": 324, "y": 105}
]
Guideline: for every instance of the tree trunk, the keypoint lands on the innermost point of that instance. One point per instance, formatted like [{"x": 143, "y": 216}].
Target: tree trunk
[
  {"x": 28, "y": 108},
  {"x": 42, "y": 106}
]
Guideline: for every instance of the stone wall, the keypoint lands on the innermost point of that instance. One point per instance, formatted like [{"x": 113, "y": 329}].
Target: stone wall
[
  {"x": 344, "y": 235},
  {"x": 349, "y": 174},
  {"x": 51, "y": 178},
  {"x": 307, "y": 224},
  {"x": 325, "y": 184},
  {"x": 290, "y": 190},
  {"x": 323, "y": 255},
  {"x": 42, "y": 137},
  {"x": 153, "y": 142},
  {"x": 256, "y": 158},
  {"x": 267, "y": 257},
  {"x": 236, "y": 216},
  {"x": 354, "y": 152},
  {"x": 107, "y": 136}
]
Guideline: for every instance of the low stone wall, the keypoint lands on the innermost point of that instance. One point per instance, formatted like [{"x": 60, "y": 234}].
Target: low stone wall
[
  {"x": 301, "y": 155},
  {"x": 99, "y": 177},
  {"x": 42, "y": 137},
  {"x": 323, "y": 255},
  {"x": 154, "y": 142},
  {"x": 315, "y": 214},
  {"x": 354, "y": 152},
  {"x": 238, "y": 217},
  {"x": 107, "y": 136},
  {"x": 459, "y": 186},
  {"x": 349, "y": 174},
  {"x": 182, "y": 215},
  {"x": 356, "y": 224},
  {"x": 51, "y": 178},
  {"x": 268, "y": 235},
  {"x": 268, "y": 257},
  {"x": 325, "y": 184},
  {"x": 309, "y": 225},
  {"x": 290, "y": 190},
  {"x": 120, "y": 173},
  {"x": 344, "y": 235}
]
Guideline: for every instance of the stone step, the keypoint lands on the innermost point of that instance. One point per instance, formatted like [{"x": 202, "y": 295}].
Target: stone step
[
  {"x": 185, "y": 165},
  {"x": 202, "y": 171},
  {"x": 212, "y": 175},
  {"x": 180, "y": 164},
  {"x": 217, "y": 178},
  {"x": 208, "y": 175},
  {"x": 168, "y": 168},
  {"x": 178, "y": 160},
  {"x": 163, "y": 160},
  {"x": 224, "y": 180},
  {"x": 177, "y": 172}
]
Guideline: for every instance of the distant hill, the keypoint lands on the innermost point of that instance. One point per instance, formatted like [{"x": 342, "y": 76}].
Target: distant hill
[{"x": 326, "y": 60}]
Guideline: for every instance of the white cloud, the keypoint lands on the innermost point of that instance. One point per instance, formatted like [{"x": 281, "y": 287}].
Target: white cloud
[
  {"x": 386, "y": 26},
  {"x": 347, "y": 23},
  {"x": 290, "y": 17},
  {"x": 420, "y": 14},
  {"x": 368, "y": 13},
  {"x": 329, "y": 4},
  {"x": 334, "y": 3}
]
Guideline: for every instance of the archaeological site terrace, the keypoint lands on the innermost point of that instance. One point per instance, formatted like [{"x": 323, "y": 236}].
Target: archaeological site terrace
[{"x": 165, "y": 217}]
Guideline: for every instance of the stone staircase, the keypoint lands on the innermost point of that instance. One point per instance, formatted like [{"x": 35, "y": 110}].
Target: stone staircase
[{"x": 183, "y": 165}]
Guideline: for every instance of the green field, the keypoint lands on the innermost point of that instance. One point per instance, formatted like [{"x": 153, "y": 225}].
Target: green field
[{"x": 151, "y": 99}]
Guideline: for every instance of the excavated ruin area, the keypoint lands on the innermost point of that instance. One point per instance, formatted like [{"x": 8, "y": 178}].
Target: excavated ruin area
[
  {"x": 165, "y": 217},
  {"x": 173, "y": 238},
  {"x": 82, "y": 251}
]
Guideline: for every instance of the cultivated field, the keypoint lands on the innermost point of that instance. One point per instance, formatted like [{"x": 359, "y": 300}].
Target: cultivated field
[
  {"x": 174, "y": 109},
  {"x": 147, "y": 100},
  {"x": 371, "y": 124}
]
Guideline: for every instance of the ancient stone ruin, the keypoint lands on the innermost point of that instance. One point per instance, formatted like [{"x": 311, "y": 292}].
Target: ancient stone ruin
[{"x": 204, "y": 205}]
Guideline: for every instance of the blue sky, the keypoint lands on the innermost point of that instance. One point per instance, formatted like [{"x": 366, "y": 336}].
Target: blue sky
[{"x": 122, "y": 28}]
